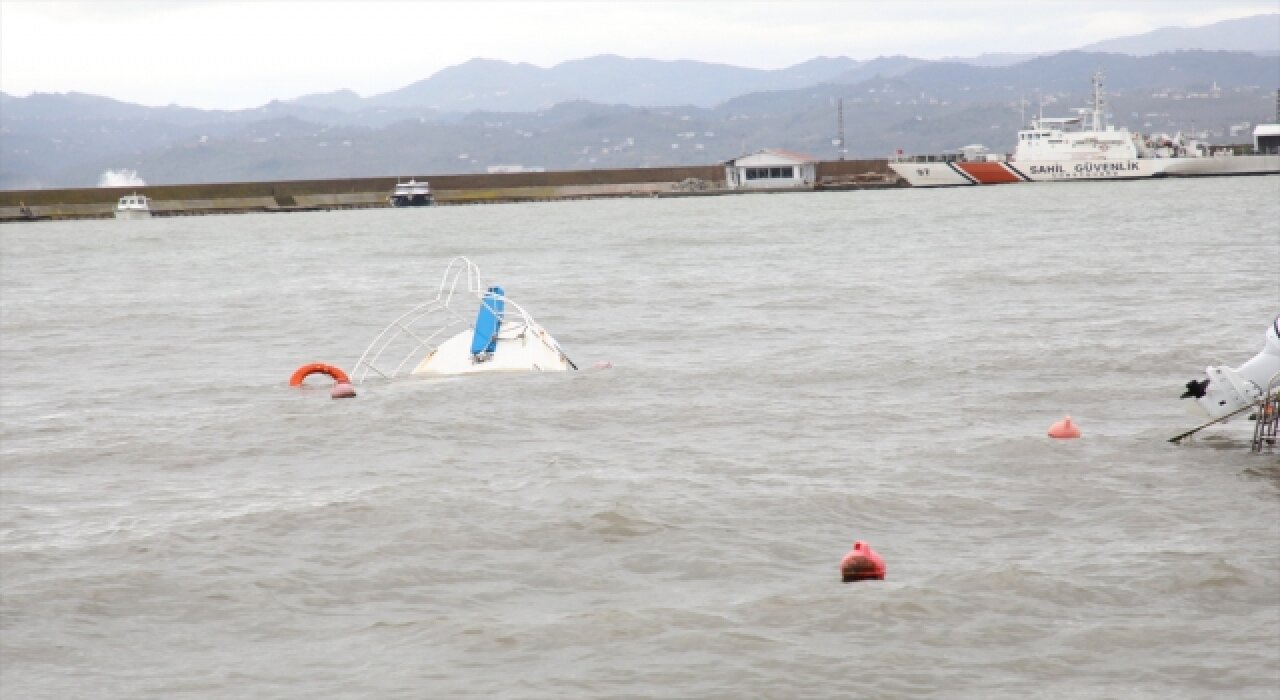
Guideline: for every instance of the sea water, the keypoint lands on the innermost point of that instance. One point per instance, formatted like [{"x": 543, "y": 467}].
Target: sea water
[{"x": 790, "y": 373}]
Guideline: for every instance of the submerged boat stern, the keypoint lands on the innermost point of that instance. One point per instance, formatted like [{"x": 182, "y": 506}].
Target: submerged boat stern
[{"x": 1226, "y": 391}]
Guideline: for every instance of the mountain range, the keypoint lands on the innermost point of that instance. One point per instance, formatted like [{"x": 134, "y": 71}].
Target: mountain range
[{"x": 611, "y": 111}]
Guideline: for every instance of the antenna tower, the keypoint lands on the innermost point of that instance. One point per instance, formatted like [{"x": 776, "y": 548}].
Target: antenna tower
[{"x": 840, "y": 128}]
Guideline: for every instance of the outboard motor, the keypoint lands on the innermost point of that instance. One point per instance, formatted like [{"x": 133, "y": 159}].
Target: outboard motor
[{"x": 1225, "y": 391}]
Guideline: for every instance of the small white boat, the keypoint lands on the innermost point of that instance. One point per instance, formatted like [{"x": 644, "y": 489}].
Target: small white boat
[
  {"x": 411, "y": 194},
  {"x": 468, "y": 327},
  {"x": 133, "y": 206}
]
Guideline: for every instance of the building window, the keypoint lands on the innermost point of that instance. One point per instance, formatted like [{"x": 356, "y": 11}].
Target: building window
[{"x": 783, "y": 173}]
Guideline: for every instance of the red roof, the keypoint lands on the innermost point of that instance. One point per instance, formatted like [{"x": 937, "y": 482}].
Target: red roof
[
  {"x": 780, "y": 152},
  {"x": 793, "y": 155}
]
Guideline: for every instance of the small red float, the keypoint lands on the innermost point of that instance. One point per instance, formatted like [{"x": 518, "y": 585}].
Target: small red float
[
  {"x": 1064, "y": 429},
  {"x": 862, "y": 563}
]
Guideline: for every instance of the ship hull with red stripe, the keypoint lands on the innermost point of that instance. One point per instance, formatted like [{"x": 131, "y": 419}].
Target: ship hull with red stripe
[{"x": 957, "y": 173}]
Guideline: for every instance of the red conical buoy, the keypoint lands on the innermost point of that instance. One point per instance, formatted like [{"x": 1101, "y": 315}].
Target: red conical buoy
[
  {"x": 862, "y": 564},
  {"x": 1064, "y": 429}
]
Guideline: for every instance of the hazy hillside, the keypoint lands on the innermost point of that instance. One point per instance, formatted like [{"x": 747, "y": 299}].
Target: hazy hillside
[
  {"x": 880, "y": 116},
  {"x": 993, "y": 59},
  {"x": 1071, "y": 71},
  {"x": 483, "y": 84},
  {"x": 610, "y": 111},
  {"x": 882, "y": 67},
  {"x": 1260, "y": 33}
]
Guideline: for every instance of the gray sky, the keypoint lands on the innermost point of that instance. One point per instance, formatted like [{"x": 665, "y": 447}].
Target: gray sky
[{"x": 225, "y": 54}]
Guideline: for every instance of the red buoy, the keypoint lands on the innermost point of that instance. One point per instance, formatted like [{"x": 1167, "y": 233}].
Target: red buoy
[
  {"x": 1064, "y": 429},
  {"x": 862, "y": 564},
  {"x": 318, "y": 368},
  {"x": 342, "y": 390}
]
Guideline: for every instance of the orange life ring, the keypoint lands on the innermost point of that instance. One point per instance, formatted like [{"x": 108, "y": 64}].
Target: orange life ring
[{"x": 318, "y": 368}]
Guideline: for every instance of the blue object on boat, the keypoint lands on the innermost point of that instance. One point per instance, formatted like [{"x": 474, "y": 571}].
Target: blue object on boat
[{"x": 485, "y": 339}]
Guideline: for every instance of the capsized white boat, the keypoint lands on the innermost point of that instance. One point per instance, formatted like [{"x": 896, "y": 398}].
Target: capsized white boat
[
  {"x": 467, "y": 327},
  {"x": 1225, "y": 392}
]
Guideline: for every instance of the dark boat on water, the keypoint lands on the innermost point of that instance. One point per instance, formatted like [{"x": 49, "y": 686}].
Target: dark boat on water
[{"x": 411, "y": 194}]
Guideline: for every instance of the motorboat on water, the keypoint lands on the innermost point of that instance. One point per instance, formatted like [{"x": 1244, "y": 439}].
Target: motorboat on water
[
  {"x": 133, "y": 206},
  {"x": 1226, "y": 392},
  {"x": 1082, "y": 147},
  {"x": 467, "y": 327},
  {"x": 411, "y": 194}
]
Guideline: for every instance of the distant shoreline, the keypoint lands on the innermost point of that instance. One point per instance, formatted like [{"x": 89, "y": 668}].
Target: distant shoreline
[{"x": 367, "y": 193}]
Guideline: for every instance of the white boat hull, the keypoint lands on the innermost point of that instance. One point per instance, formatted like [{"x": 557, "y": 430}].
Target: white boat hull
[
  {"x": 1226, "y": 391},
  {"x": 956, "y": 173},
  {"x": 932, "y": 174},
  {"x": 418, "y": 201},
  {"x": 133, "y": 214},
  {"x": 518, "y": 349},
  {"x": 1223, "y": 165}
]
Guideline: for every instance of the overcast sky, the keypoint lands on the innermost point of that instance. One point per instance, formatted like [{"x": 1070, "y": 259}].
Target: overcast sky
[{"x": 223, "y": 54}]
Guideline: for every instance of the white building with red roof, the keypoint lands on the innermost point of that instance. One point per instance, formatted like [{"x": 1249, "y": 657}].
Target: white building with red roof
[{"x": 771, "y": 167}]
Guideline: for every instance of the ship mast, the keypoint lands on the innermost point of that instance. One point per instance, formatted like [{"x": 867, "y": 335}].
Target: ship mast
[
  {"x": 840, "y": 128},
  {"x": 1097, "y": 101}
]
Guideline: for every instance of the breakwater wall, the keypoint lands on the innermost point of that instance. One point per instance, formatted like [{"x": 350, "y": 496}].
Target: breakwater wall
[{"x": 354, "y": 193}]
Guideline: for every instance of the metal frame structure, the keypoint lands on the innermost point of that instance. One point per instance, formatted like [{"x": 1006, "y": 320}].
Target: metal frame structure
[
  {"x": 1266, "y": 424},
  {"x": 420, "y": 330}
]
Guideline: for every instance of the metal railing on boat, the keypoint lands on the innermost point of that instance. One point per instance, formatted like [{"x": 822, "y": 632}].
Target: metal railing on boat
[
  {"x": 404, "y": 342},
  {"x": 1267, "y": 421}
]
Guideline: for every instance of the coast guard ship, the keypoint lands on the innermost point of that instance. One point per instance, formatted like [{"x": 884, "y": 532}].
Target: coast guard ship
[{"x": 1082, "y": 147}]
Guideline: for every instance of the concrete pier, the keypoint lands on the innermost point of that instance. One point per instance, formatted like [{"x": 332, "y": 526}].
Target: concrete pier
[{"x": 358, "y": 193}]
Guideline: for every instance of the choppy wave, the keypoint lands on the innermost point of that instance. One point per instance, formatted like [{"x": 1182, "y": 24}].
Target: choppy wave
[{"x": 790, "y": 373}]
